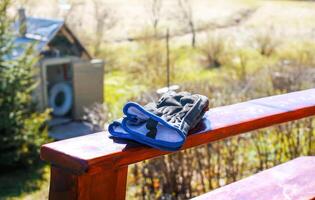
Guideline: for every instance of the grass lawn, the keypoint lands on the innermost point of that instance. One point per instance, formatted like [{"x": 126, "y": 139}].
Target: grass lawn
[{"x": 119, "y": 88}]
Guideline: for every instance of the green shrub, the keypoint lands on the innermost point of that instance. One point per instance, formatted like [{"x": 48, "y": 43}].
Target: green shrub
[{"x": 21, "y": 130}]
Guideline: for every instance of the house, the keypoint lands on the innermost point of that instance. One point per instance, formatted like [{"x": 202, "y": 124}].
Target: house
[{"x": 69, "y": 78}]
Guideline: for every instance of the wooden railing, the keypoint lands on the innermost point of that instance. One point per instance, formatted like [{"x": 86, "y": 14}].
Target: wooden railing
[{"x": 95, "y": 166}]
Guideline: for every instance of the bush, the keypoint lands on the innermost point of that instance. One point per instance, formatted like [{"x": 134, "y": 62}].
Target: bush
[
  {"x": 214, "y": 51},
  {"x": 21, "y": 130},
  {"x": 266, "y": 42}
]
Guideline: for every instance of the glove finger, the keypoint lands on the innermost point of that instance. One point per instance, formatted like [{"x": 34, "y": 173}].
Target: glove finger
[
  {"x": 168, "y": 100},
  {"x": 171, "y": 110},
  {"x": 187, "y": 100},
  {"x": 166, "y": 117}
]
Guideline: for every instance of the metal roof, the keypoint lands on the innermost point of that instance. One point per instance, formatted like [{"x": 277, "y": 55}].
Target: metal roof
[{"x": 39, "y": 32}]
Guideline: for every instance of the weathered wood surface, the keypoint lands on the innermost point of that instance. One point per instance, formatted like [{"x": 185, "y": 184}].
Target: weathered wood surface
[
  {"x": 95, "y": 166},
  {"x": 292, "y": 180},
  {"x": 88, "y": 152}
]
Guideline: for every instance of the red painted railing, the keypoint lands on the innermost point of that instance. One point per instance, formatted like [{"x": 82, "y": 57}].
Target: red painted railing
[{"x": 95, "y": 167}]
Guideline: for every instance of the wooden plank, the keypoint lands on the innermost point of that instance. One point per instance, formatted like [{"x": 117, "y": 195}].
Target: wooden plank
[
  {"x": 92, "y": 152},
  {"x": 292, "y": 180}
]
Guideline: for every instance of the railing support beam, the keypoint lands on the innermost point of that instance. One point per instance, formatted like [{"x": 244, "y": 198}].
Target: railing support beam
[{"x": 109, "y": 184}]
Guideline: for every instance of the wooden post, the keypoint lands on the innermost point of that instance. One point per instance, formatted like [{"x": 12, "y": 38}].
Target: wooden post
[{"x": 109, "y": 184}]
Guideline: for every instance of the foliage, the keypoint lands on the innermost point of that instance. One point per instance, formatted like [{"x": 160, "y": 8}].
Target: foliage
[
  {"x": 241, "y": 69},
  {"x": 214, "y": 50},
  {"x": 266, "y": 42},
  {"x": 119, "y": 88},
  {"x": 21, "y": 129},
  {"x": 26, "y": 184}
]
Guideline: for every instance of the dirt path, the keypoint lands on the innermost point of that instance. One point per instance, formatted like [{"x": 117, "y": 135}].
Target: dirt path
[{"x": 234, "y": 20}]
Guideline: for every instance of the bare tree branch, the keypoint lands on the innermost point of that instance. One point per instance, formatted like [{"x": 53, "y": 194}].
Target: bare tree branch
[
  {"x": 105, "y": 20},
  {"x": 73, "y": 6},
  {"x": 186, "y": 16},
  {"x": 155, "y": 8}
]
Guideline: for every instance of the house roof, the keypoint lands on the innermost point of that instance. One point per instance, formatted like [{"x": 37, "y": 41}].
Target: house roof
[{"x": 39, "y": 32}]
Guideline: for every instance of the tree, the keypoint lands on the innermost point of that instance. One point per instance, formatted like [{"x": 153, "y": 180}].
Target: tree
[
  {"x": 186, "y": 16},
  {"x": 21, "y": 130},
  {"x": 71, "y": 9},
  {"x": 155, "y": 7},
  {"x": 105, "y": 21}
]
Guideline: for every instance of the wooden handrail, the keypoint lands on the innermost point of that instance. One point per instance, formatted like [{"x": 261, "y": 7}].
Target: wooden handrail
[
  {"x": 95, "y": 166},
  {"x": 294, "y": 179}
]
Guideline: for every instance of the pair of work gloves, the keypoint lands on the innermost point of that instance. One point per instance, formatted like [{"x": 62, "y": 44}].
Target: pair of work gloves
[{"x": 163, "y": 125}]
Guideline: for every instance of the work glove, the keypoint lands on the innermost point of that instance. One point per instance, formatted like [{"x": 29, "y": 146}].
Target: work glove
[{"x": 163, "y": 125}]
